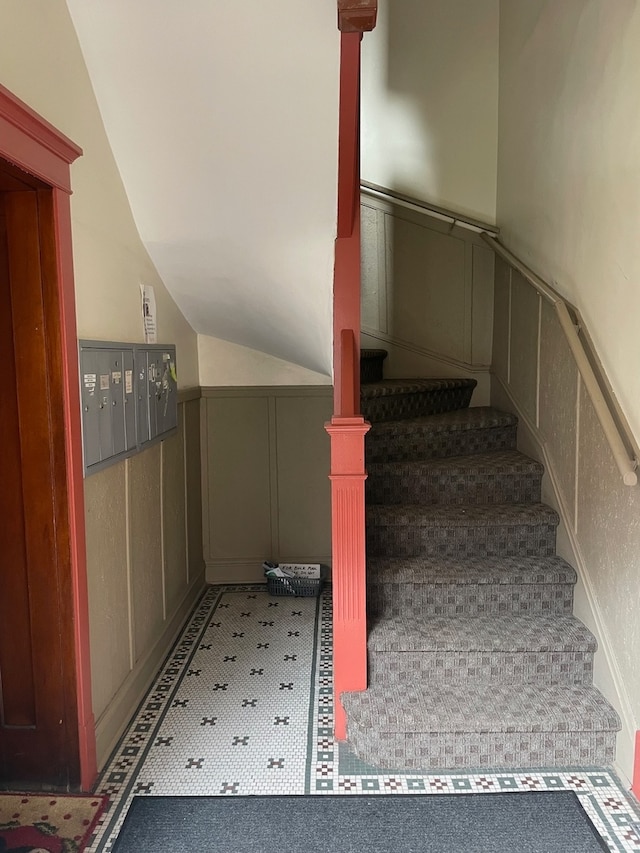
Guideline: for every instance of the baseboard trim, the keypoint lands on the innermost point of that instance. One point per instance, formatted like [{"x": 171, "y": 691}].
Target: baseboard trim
[
  {"x": 116, "y": 716},
  {"x": 612, "y": 686}
]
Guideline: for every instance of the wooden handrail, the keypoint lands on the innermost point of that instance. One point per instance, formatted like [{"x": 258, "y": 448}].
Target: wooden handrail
[
  {"x": 617, "y": 432},
  {"x": 410, "y": 201}
]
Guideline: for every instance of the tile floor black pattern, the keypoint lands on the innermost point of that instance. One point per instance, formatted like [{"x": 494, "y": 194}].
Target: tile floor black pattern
[{"x": 244, "y": 705}]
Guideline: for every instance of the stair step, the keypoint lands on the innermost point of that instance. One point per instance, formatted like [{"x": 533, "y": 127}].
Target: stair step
[
  {"x": 429, "y": 586},
  {"x": 461, "y": 530},
  {"x": 371, "y": 364},
  {"x": 467, "y": 431},
  {"x": 499, "y": 649},
  {"x": 499, "y": 477},
  {"x": 449, "y": 726},
  {"x": 393, "y": 399}
]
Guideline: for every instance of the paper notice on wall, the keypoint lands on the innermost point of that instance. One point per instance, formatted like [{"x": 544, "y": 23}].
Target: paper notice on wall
[{"x": 148, "y": 313}]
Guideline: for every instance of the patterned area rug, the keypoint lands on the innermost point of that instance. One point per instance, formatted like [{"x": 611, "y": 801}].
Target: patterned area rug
[{"x": 47, "y": 823}]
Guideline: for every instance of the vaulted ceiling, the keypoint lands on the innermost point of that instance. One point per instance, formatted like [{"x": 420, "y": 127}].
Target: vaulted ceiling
[{"x": 222, "y": 117}]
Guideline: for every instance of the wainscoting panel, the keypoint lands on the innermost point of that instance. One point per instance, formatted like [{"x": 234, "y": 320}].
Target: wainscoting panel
[
  {"x": 502, "y": 320},
  {"x": 523, "y": 352},
  {"x": 145, "y": 538},
  {"x": 193, "y": 486},
  {"x": 105, "y": 497},
  {"x": 558, "y": 400},
  {"x": 427, "y": 294},
  {"x": 265, "y": 485},
  {"x": 239, "y": 489},
  {"x": 600, "y": 516},
  {"x": 426, "y": 287},
  {"x": 174, "y": 511},
  {"x": 144, "y": 564},
  {"x": 304, "y": 496}
]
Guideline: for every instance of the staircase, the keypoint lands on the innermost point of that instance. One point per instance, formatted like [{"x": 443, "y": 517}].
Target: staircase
[{"x": 475, "y": 658}]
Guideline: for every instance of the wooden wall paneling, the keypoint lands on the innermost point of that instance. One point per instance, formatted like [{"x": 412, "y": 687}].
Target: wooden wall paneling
[
  {"x": 428, "y": 289},
  {"x": 239, "y": 486},
  {"x": 193, "y": 488},
  {"x": 559, "y": 401},
  {"x": 265, "y": 487},
  {"x": 482, "y": 298},
  {"x": 427, "y": 292},
  {"x": 502, "y": 321},
  {"x": 174, "y": 539},
  {"x": 373, "y": 273},
  {"x": 304, "y": 495},
  {"x": 523, "y": 372},
  {"x": 145, "y": 547},
  {"x": 109, "y": 600}
]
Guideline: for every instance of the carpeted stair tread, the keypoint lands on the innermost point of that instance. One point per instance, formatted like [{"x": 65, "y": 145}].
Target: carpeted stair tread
[
  {"x": 465, "y": 515},
  {"x": 393, "y": 387},
  {"x": 472, "y": 570},
  {"x": 503, "y": 633},
  {"x": 390, "y": 399},
  {"x": 475, "y": 417},
  {"x": 511, "y": 461},
  {"x": 494, "y": 477},
  {"x": 477, "y": 708},
  {"x": 465, "y": 431}
]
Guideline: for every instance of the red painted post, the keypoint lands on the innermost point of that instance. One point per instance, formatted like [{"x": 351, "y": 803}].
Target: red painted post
[
  {"x": 348, "y": 428},
  {"x": 349, "y": 571}
]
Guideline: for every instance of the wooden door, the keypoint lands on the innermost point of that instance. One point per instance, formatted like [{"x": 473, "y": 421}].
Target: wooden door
[{"x": 38, "y": 716}]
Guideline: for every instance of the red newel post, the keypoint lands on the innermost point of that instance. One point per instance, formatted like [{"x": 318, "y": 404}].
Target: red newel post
[{"x": 347, "y": 428}]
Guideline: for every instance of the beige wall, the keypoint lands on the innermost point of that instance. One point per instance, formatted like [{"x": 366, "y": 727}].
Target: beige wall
[
  {"x": 41, "y": 63},
  {"x": 569, "y": 171},
  {"x": 144, "y": 554},
  {"x": 430, "y": 102},
  {"x": 536, "y": 377},
  {"x": 223, "y": 363},
  {"x": 265, "y": 466},
  {"x": 427, "y": 295},
  {"x": 144, "y": 549}
]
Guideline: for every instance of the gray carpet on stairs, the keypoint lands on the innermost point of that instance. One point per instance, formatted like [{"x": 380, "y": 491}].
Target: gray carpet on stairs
[{"x": 474, "y": 657}]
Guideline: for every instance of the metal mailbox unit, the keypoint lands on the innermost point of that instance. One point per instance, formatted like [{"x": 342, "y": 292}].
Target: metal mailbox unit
[
  {"x": 129, "y": 398},
  {"x": 156, "y": 391}
]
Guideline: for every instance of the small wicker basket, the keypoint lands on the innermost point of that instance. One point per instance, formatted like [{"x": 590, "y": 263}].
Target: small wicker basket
[{"x": 295, "y": 587}]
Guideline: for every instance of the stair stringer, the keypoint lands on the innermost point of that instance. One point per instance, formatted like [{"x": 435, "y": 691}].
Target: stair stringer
[{"x": 606, "y": 674}]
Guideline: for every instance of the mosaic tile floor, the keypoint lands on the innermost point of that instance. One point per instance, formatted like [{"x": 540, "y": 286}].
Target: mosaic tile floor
[{"x": 244, "y": 705}]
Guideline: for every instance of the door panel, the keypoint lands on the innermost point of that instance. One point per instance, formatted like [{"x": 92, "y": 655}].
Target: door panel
[{"x": 36, "y": 625}]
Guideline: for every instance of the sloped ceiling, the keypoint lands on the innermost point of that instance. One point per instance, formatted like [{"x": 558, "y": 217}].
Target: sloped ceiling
[{"x": 222, "y": 116}]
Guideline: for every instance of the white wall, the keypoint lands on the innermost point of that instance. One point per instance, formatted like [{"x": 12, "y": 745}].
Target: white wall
[
  {"x": 41, "y": 63},
  {"x": 569, "y": 167},
  {"x": 430, "y": 102},
  {"x": 223, "y": 118},
  {"x": 224, "y": 364}
]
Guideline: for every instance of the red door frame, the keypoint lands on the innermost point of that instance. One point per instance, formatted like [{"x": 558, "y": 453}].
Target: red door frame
[{"x": 30, "y": 142}]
